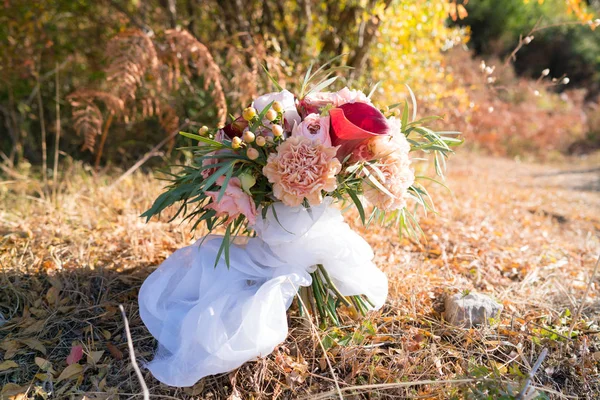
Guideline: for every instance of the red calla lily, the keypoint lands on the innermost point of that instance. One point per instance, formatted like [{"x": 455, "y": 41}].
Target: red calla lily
[
  {"x": 353, "y": 123},
  {"x": 236, "y": 128}
]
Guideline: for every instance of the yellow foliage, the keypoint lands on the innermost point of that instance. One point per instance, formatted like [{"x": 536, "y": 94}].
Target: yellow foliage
[{"x": 409, "y": 50}]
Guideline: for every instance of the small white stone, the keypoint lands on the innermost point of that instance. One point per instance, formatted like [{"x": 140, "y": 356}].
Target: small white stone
[{"x": 471, "y": 310}]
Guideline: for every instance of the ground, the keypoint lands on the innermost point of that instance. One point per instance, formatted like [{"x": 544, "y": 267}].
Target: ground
[{"x": 525, "y": 234}]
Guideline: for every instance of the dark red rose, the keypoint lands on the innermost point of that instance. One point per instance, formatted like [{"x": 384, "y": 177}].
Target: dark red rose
[{"x": 353, "y": 123}]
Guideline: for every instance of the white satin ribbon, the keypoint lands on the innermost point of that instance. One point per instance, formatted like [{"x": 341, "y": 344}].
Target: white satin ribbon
[{"x": 211, "y": 320}]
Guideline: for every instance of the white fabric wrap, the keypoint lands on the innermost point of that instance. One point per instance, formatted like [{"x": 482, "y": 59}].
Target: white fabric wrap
[{"x": 211, "y": 320}]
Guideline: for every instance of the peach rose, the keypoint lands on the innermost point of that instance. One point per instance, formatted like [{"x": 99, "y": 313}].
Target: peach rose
[
  {"x": 302, "y": 169},
  {"x": 314, "y": 127},
  {"x": 233, "y": 203}
]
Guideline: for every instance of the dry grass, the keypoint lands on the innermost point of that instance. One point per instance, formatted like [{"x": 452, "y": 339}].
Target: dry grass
[{"x": 519, "y": 232}]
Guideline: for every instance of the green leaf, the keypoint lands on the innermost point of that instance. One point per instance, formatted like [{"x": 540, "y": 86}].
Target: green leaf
[
  {"x": 405, "y": 115},
  {"x": 216, "y": 175},
  {"x": 375, "y": 86},
  {"x": 414, "y": 102},
  {"x": 275, "y": 83},
  {"x": 224, "y": 247},
  {"x": 359, "y": 206},
  {"x": 277, "y": 219},
  {"x": 322, "y": 85},
  {"x": 258, "y": 121},
  {"x": 225, "y": 183}
]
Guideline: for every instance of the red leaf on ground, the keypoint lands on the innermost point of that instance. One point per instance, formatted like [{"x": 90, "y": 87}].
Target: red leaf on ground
[{"x": 75, "y": 355}]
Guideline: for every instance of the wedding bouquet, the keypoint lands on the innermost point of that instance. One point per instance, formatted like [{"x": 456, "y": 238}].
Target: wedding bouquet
[{"x": 277, "y": 174}]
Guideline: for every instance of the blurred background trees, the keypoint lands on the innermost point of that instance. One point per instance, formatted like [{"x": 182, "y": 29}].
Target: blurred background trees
[{"x": 199, "y": 51}]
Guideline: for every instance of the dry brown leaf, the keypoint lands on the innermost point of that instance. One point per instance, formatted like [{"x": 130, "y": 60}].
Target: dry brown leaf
[
  {"x": 34, "y": 344},
  {"x": 114, "y": 351},
  {"x": 53, "y": 295},
  {"x": 43, "y": 364},
  {"x": 12, "y": 390},
  {"x": 8, "y": 364},
  {"x": 10, "y": 347},
  {"x": 66, "y": 309},
  {"x": 94, "y": 357},
  {"x": 71, "y": 371},
  {"x": 44, "y": 376},
  {"x": 35, "y": 327},
  {"x": 38, "y": 312},
  {"x": 195, "y": 390}
]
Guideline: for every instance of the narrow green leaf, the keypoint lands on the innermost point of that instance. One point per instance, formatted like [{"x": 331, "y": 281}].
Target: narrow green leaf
[
  {"x": 414, "y": 102},
  {"x": 322, "y": 85},
  {"x": 405, "y": 115},
  {"x": 275, "y": 83},
  {"x": 359, "y": 206}
]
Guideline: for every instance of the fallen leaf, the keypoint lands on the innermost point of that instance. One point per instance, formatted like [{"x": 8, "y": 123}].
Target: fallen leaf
[
  {"x": 71, "y": 371},
  {"x": 35, "y": 327},
  {"x": 44, "y": 364},
  {"x": 34, "y": 344},
  {"x": 106, "y": 334},
  {"x": 53, "y": 295},
  {"x": 114, "y": 351},
  {"x": 9, "y": 364},
  {"x": 43, "y": 376},
  {"x": 94, "y": 357},
  {"x": 10, "y": 347},
  {"x": 38, "y": 312},
  {"x": 75, "y": 355},
  {"x": 11, "y": 390},
  {"x": 66, "y": 309}
]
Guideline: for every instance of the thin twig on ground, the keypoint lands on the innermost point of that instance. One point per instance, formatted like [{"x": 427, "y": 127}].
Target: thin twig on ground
[
  {"x": 532, "y": 373},
  {"x": 136, "y": 367},
  {"x": 316, "y": 333}
]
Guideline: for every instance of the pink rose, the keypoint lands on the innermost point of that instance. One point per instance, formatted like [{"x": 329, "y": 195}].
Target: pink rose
[
  {"x": 354, "y": 123},
  {"x": 234, "y": 202},
  {"x": 314, "y": 127}
]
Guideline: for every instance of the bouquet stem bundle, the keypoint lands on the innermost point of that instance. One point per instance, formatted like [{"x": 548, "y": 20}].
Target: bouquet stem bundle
[{"x": 322, "y": 299}]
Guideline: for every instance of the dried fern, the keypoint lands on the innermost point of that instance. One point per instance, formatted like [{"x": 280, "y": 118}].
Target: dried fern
[
  {"x": 136, "y": 75},
  {"x": 132, "y": 55},
  {"x": 87, "y": 116},
  {"x": 184, "y": 50},
  {"x": 87, "y": 122}
]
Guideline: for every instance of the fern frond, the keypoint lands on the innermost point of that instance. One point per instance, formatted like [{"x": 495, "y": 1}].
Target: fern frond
[
  {"x": 87, "y": 121},
  {"x": 132, "y": 55},
  {"x": 184, "y": 50}
]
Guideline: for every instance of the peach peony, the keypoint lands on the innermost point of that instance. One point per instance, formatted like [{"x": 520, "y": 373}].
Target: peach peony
[
  {"x": 301, "y": 169},
  {"x": 397, "y": 178},
  {"x": 234, "y": 202}
]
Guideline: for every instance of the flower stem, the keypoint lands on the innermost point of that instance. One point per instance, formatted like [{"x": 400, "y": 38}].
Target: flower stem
[{"x": 332, "y": 287}]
